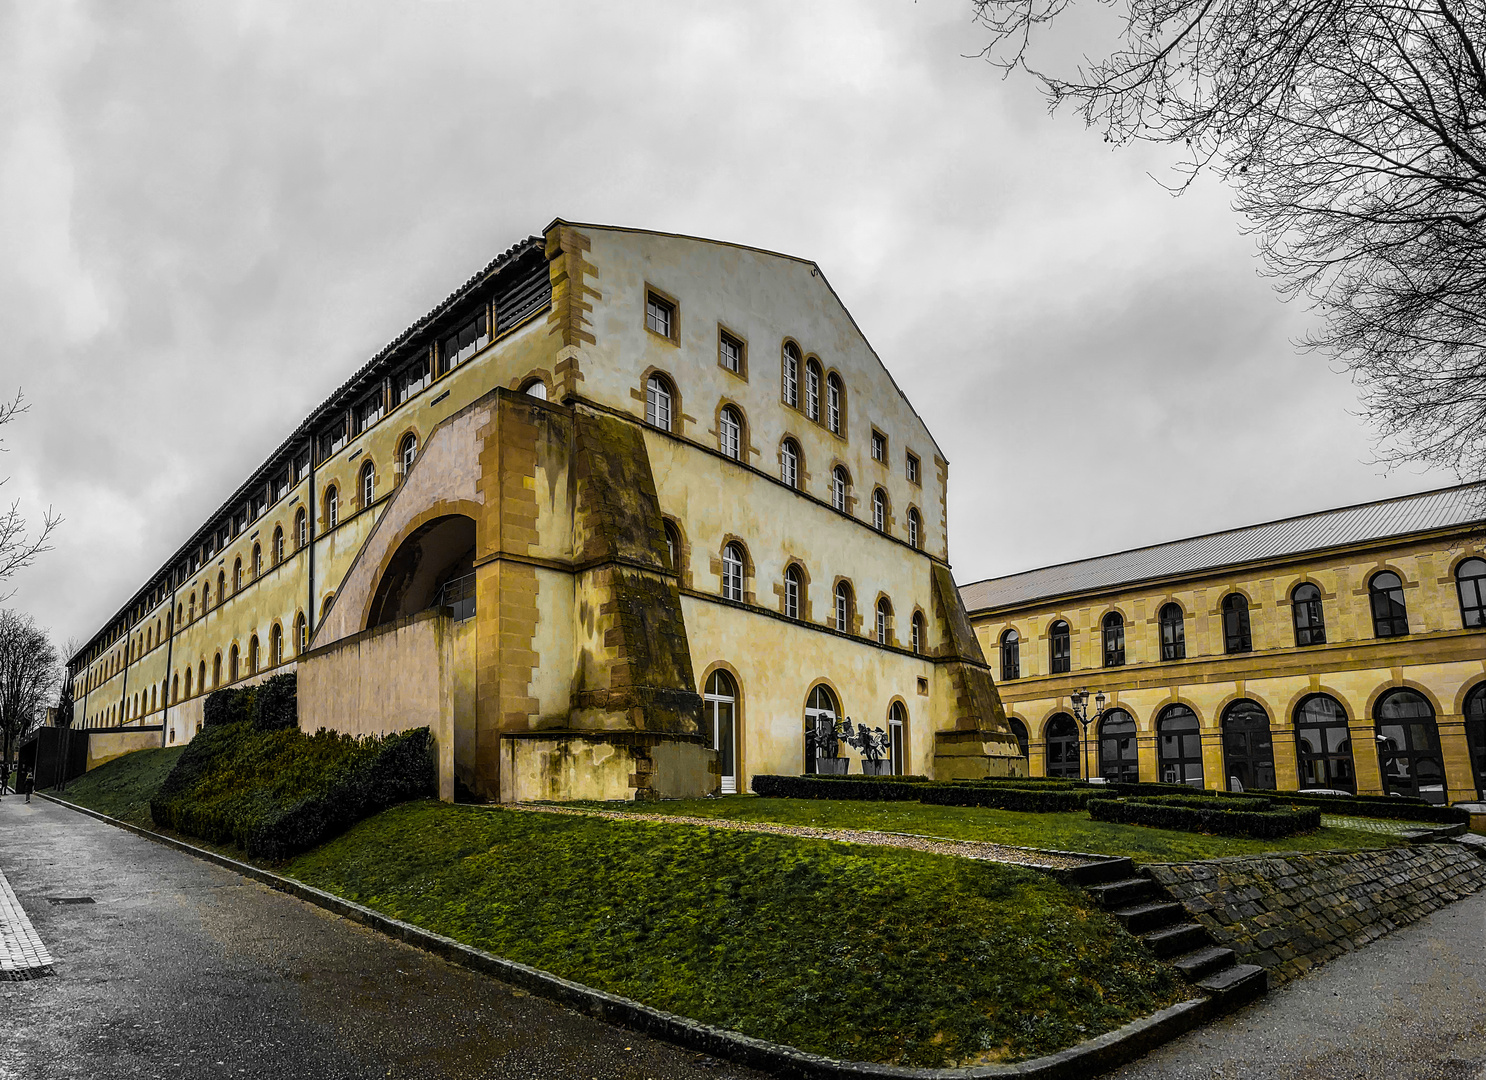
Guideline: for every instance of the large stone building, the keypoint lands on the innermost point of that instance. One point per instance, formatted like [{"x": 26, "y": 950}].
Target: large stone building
[
  {"x": 623, "y": 516},
  {"x": 1344, "y": 649}
]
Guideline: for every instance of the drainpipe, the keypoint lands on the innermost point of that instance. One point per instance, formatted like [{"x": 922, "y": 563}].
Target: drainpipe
[
  {"x": 170, "y": 629},
  {"x": 309, "y": 528},
  {"x": 124, "y": 702}
]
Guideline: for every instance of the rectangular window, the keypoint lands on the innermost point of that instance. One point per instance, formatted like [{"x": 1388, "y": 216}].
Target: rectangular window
[
  {"x": 467, "y": 340},
  {"x": 369, "y": 412},
  {"x": 660, "y": 316},
  {"x": 912, "y": 468},
  {"x": 301, "y": 467},
  {"x": 879, "y": 446},
  {"x": 280, "y": 486},
  {"x": 411, "y": 379},
  {"x": 730, "y": 352},
  {"x": 333, "y": 441}
]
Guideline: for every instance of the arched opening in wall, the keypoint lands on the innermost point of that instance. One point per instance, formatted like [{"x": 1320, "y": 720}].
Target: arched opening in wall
[
  {"x": 1062, "y": 746},
  {"x": 188, "y": 682},
  {"x": 253, "y": 655},
  {"x": 820, "y": 710},
  {"x": 201, "y": 677},
  {"x": 535, "y": 388},
  {"x": 1118, "y": 761},
  {"x": 1248, "y": 749},
  {"x": 433, "y": 567},
  {"x": 1323, "y": 745},
  {"x": 1019, "y": 730},
  {"x": 1409, "y": 746},
  {"x": 276, "y": 645},
  {"x": 1475, "y": 735},
  {"x": 301, "y": 634},
  {"x": 232, "y": 665},
  {"x": 217, "y": 670},
  {"x": 720, "y": 725},
  {"x": 1179, "y": 746},
  {"x": 897, "y": 723}
]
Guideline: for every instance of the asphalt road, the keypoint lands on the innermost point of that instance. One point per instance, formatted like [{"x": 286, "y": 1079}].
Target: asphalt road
[{"x": 183, "y": 969}]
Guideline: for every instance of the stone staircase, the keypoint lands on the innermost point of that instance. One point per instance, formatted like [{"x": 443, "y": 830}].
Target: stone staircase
[{"x": 1147, "y": 910}]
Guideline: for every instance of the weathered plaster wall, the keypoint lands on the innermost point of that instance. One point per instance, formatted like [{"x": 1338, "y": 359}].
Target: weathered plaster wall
[{"x": 104, "y": 746}]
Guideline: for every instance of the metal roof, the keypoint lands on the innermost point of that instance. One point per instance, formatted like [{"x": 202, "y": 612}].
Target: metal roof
[{"x": 1423, "y": 512}]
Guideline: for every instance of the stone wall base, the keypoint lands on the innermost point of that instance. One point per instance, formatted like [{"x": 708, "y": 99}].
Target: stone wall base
[
  {"x": 563, "y": 766},
  {"x": 975, "y": 755},
  {"x": 1288, "y": 913}
]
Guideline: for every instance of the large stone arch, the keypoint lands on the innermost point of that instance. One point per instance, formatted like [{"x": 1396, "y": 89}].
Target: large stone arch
[{"x": 431, "y": 556}]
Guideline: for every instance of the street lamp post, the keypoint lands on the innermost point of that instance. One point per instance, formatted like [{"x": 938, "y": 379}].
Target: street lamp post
[{"x": 1080, "y": 700}]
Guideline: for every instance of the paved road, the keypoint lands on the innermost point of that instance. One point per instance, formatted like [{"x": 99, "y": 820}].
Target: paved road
[
  {"x": 1410, "y": 1006},
  {"x": 183, "y": 969}
]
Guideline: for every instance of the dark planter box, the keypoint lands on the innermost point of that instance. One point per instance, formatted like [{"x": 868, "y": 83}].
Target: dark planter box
[
  {"x": 832, "y": 766},
  {"x": 882, "y": 767}
]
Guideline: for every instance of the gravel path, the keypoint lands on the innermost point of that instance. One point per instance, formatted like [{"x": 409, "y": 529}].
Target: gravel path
[{"x": 965, "y": 849}]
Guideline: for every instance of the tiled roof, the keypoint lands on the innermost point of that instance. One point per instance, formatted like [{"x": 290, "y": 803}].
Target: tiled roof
[{"x": 1274, "y": 539}]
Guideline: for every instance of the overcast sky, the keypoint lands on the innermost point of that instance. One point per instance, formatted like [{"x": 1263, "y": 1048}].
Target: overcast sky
[{"x": 213, "y": 213}]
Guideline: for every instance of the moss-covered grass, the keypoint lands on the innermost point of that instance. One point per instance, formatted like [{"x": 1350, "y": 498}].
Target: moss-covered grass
[
  {"x": 853, "y": 951},
  {"x": 1061, "y": 832},
  {"x": 122, "y": 788}
]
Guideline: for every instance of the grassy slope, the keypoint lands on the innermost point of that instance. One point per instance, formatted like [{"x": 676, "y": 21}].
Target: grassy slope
[
  {"x": 1063, "y": 832},
  {"x": 122, "y": 787},
  {"x": 859, "y": 952}
]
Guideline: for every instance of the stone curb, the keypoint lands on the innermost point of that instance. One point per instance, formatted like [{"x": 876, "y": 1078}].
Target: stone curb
[{"x": 1087, "y": 1059}]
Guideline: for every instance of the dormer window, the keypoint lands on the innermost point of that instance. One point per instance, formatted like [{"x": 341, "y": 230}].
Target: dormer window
[
  {"x": 369, "y": 412},
  {"x": 411, "y": 379},
  {"x": 467, "y": 340}
]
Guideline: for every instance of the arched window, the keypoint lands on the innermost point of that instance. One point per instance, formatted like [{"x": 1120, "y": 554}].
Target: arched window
[
  {"x": 879, "y": 510},
  {"x": 332, "y": 507},
  {"x": 843, "y": 607},
  {"x": 232, "y": 671},
  {"x": 276, "y": 645},
  {"x": 1409, "y": 746},
  {"x": 812, "y": 389},
  {"x": 325, "y": 605},
  {"x": 1019, "y": 732},
  {"x": 1062, "y": 746},
  {"x": 789, "y": 375},
  {"x": 253, "y": 655},
  {"x": 1011, "y": 655},
  {"x": 1059, "y": 648},
  {"x": 1305, "y": 611},
  {"x": 188, "y": 682},
  {"x": 1323, "y": 744},
  {"x": 301, "y": 528},
  {"x": 237, "y": 576},
  {"x": 257, "y": 564},
  {"x": 658, "y": 402},
  {"x": 884, "y": 613},
  {"x": 789, "y": 463},
  {"x": 719, "y": 723},
  {"x": 897, "y": 723},
  {"x": 820, "y": 709},
  {"x": 840, "y": 482},
  {"x": 834, "y": 403},
  {"x": 278, "y": 545},
  {"x": 1236, "y": 637},
  {"x": 915, "y": 529},
  {"x": 673, "y": 545},
  {"x": 368, "y": 484},
  {"x": 535, "y": 388},
  {"x": 730, "y": 432},
  {"x": 1470, "y": 582},
  {"x": 1389, "y": 616},
  {"x": 1114, "y": 639},
  {"x": 1248, "y": 750},
  {"x": 216, "y": 670},
  {"x": 190, "y": 611},
  {"x": 1475, "y": 735},
  {"x": 206, "y": 597},
  {"x": 918, "y": 633},
  {"x": 794, "y": 589},
  {"x": 1173, "y": 633},
  {"x": 301, "y": 634},
  {"x": 175, "y": 688},
  {"x": 732, "y": 572},
  {"x": 1179, "y": 746},
  {"x": 407, "y": 451},
  {"x": 1118, "y": 762}
]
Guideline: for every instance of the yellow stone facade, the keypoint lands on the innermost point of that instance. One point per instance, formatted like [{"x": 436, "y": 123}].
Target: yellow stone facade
[
  {"x": 540, "y": 563},
  {"x": 1441, "y": 657}
]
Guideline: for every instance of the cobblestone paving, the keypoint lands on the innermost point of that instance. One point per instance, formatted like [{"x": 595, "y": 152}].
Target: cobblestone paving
[
  {"x": 1392, "y": 828},
  {"x": 22, "y": 955},
  {"x": 966, "y": 849}
]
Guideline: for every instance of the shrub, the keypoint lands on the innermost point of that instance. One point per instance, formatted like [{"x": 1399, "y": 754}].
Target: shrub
[
  {"x": 1256, "y": 803},
  {"x": 278, "y": 792},
  {"x": 879, "y": 788},
  {"x": 1163, "y": 814},
  {"x": 1035, "y": 800},
  {"x": 1380, "y": 806},
  {"x": 227, "y": 706},
  {"x": 908, "y": 778},
  {"x": 276, "y": 704}
]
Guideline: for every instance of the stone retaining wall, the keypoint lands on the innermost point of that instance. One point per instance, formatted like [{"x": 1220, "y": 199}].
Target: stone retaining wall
[{"x": 1288, "y": 913}]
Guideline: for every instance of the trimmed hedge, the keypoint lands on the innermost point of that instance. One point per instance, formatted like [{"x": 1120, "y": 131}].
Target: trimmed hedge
[
  {"x": 876, "y": 788},
  {"x": 907, "y": 778},
  {"x": 1380, "y": 806},
  {"x": 278, "y": 792},
  {"x": 1164, "y": 814},
  {"x": 1024, "y": 799},
  {"x": 1256, "y": 804}
]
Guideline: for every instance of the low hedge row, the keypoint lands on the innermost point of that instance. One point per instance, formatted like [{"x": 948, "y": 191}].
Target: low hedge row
[
  {"x": 1253, "y": 804},
  {"x": 1164, "y": 814},
  {"x": 909, "y": 778},
  {"x": 874, "y": 788},
  {"x": 1005, "y": 797},
  {"x": 1381, "y": 806}
]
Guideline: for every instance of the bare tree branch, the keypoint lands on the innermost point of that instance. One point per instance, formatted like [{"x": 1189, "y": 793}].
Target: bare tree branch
[{"x": 18, "y": 546}]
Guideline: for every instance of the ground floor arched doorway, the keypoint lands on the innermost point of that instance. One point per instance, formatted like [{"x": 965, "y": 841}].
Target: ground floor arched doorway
[
  {"x": 1118, "y": 759},
  {"x": 1248, "y": 748},
  {"x": 1409, "y": 746},
  {"x": 720, "y": 725}
]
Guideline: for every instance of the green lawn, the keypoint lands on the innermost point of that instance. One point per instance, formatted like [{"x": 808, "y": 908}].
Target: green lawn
[
  {"x": 122, "y": 788},
  {"x": 853, "y": 951},
  {"x": 1062, "y": 832}
]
